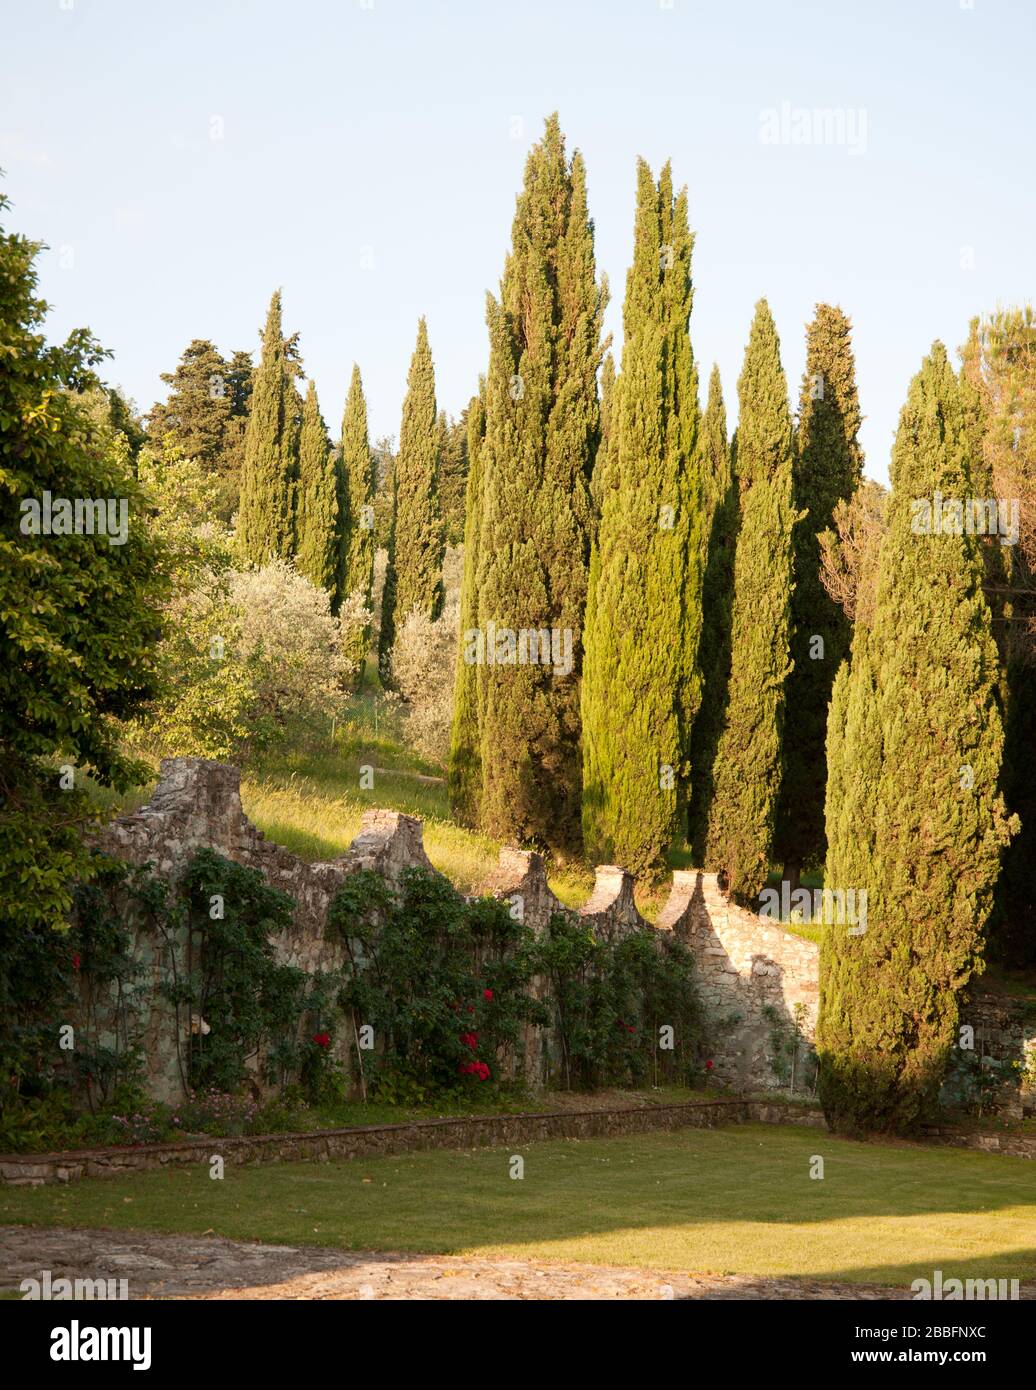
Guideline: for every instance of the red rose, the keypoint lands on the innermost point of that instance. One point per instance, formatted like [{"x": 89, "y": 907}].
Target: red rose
[
  {"x": 322, "y": 1039},
  {"x": 708, "y": 1066},
  {"x": 76, "y": 960},
  {"x": 487, "y": 994}
]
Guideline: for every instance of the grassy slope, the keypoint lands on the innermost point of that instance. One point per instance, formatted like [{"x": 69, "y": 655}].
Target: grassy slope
[
  {"x": 308, "y": 798},
  {"x": 737, "y": 1200}
]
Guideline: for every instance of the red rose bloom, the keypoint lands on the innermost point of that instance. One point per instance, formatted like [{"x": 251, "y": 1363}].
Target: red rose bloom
[
  {"x": 487, "y": 994},
  {"x": 322, "y": 1039},
  {"x": 708, "y": 1066},
  {"x": 76, "y": 960}
]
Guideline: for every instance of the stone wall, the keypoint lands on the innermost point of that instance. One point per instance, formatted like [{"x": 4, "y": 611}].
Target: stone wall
[
  {"x": 759, "y": 984},
  {"x": 374, "y": 1141}
]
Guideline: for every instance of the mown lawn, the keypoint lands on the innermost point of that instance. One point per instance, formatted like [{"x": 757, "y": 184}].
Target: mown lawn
[{"x": 737, "y": 1200}]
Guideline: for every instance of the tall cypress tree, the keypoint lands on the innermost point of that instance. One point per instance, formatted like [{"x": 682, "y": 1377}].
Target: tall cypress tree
[
  {"x": 542, "y": 431},
  {"x": 828, "y": 466},
  {"x": 998, "y": 370},
  {"x": 266, "y": 515},
  {"x": 747, "y": 763},
  {"x": 465, "y": 771},
  {"x": 357, "y": 481},
  {"x": 453, "y": 475},
  {"x": 720, "y": 512},
  {"x": 418, "y": 540},
  {"x": 598, "y": 482},
  {"x": 924, "y": 742},
  {"x": 643, "y": 616},
  {"x": 317, "y": 519}
]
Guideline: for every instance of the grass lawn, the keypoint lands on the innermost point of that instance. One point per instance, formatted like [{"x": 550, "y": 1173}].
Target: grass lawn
[{"x": 737, "y": 1200}]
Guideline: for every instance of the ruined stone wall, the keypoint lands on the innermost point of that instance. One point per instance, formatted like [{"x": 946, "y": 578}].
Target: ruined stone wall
[
  {"x": 760, "y": 985},
  {"x": 758, "y": 982}
]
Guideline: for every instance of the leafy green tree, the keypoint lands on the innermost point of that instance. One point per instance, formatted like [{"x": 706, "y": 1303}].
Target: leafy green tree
[
  {"x": 643, "y": 616},
  {"x": 414, "y": 578},
  {"x": 921, "y": 749},
  {"x": 269, "y": 473},
  {"x": 748, "y": 759},
  {"x": 721, "y": 516},
  {"x": 542, "y": 432},
  {"x": 465, "y": 771},
  {"x": 317, "y": 520},
  {"x": 828, "y": 467},
  {"x": 205, "y": 414},
  {"x": 79, "y": 607}
]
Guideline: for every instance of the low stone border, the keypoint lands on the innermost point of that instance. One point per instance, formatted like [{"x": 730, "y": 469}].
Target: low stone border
[
  {"x": 1017, "y": 1145},
  {"x": 369, "y": 1141}
]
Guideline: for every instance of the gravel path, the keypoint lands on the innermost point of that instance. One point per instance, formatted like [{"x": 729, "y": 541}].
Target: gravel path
[{"x": 161, "y": 1266}]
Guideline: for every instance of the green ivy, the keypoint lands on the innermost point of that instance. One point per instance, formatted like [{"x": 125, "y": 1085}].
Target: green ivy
[
  {"x": 442, "y": 981},
  {"x": 252, "y": 1004},
  {"x": 610, "y": 1001},
  {"x": 447, "y": 982}
]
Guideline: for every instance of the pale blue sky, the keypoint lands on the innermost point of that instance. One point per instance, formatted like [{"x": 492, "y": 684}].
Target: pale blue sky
[{"x": 386, "y": 128}]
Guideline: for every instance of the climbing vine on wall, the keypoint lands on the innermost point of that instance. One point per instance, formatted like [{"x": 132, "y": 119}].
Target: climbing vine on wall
[
  {"x": 625, "y": 1012},
  {"x": 448, "y": 986},
  {"x": 442, "y": 982},
  {"x": 246, "y": 1007},
  {"x": 69, "y": 999}
]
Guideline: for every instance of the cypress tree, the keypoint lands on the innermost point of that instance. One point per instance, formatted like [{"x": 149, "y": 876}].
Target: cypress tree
[
  {"x": 356, "y": 477},
  {"x": 643, "y": 617},
  {"x": 418, "y": 541},
  {"x": 465, "y": 770},
  {"x": 453, "y": 475},
  {"x": 827, "y": 467},
  {"x": 721, "y": 523},
  {"x": 317, "y": 521},
  {"x": 542, "y": 431},
  {"x": 266, "y": 515},
  {"x": 598, "y": 482},
  {"x": 747, "y": 763},
  {"x": 387, "y": 624},
  {"x": 999, "y": 371},
  {"x": 928, "y": 763}
]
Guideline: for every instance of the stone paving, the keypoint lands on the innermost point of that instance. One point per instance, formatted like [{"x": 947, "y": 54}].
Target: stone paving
[{"x": 209, "y": 1267}]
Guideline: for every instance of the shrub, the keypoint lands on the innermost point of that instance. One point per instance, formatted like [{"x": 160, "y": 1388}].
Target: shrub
[
  {"x": 250, "y": 651},
  {"x": 442, "y": 981}
]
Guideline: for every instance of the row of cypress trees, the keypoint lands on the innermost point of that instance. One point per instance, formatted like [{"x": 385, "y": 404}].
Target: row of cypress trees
[
  {"x": 669, "y": 554},
  {"x": 716, "y": 678},
  {"x": 715, "y": 688},
  {"x": 304, "y": 501},
  {"x": 301, "y": 499}
]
